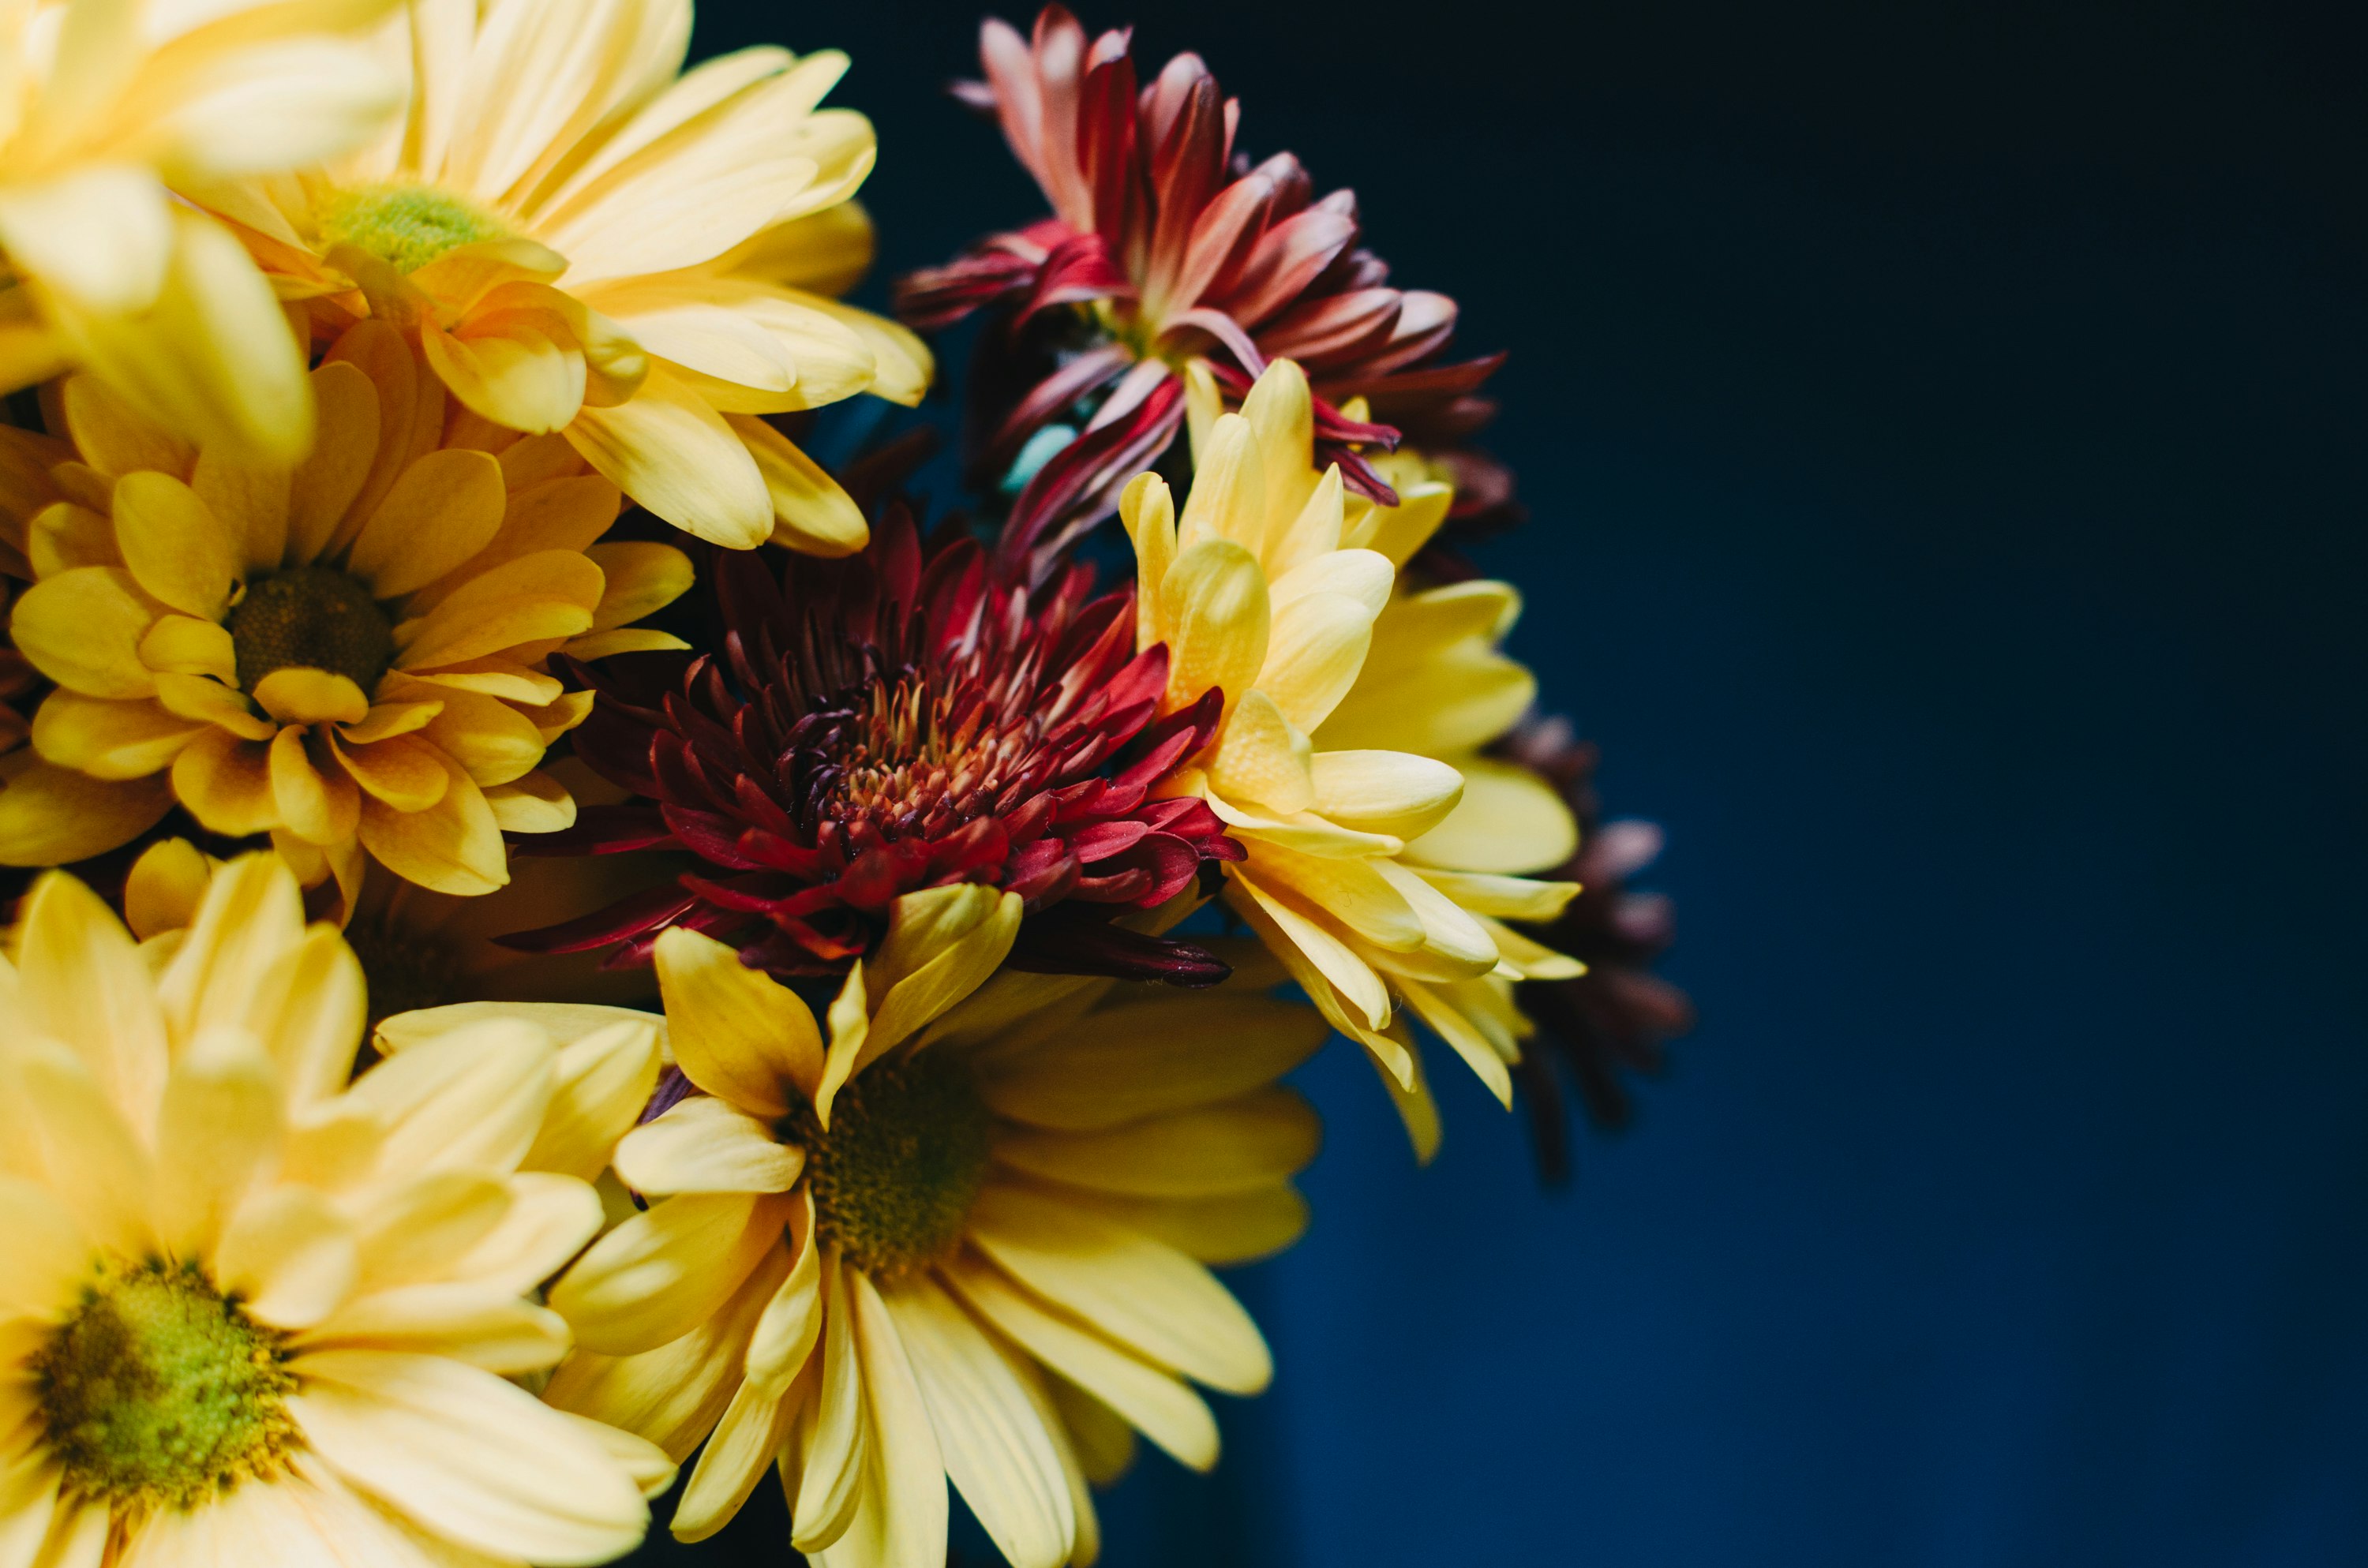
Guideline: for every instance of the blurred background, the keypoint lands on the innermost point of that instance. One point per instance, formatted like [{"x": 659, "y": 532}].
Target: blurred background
[{"x": 1945, "y": 433}]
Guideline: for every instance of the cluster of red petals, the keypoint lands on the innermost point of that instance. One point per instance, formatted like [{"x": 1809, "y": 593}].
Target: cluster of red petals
[
  {"x": 903, "y": 718},
  {"x": 1191, "y": 256}
]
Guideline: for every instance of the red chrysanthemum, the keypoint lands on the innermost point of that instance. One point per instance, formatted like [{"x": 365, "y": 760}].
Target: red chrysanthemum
[
  {"x": 898, "y": 719},
  {"x": 1163, "y": 250}
]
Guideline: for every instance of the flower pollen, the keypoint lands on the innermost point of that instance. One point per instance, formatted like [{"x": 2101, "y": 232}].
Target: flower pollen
[
  {"x": 894, "y": 1177},
  {"x": 406, "y": 225},
  {"x": 157, "y": 1390},
  {"x": 316, "y": 617}
]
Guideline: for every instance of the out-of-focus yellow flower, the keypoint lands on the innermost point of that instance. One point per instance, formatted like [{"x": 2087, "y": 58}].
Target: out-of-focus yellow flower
[
  {"x": 903, "y": 1245},
  {"x": 103, "y": 103},
  {"x": 1276, "y": 586},
  {"x": 587, "y": 242},
  {"x": 349, "y": 655},
  {"x": 253, "y": 1314}
]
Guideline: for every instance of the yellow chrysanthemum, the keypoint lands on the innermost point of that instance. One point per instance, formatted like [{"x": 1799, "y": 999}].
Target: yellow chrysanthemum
[
  {"x": 349, "y": 655},
  {"x": 102, "y": 103},
  {"x": 1276, "y": 587},
  {"x": 587, "y": 243},
  {"x": 252, "y": 1315},
  {"x": 922, "y": 1247}
]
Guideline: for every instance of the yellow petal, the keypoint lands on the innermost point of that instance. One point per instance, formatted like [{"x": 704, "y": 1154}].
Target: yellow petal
[
  {"x": 82, "y": 628},
  {"x": 705, "y": 1144},
  {"x": 811, "y": 513},
  {"x": 663, "y": 1272},
  {"x": 1510, "y": 821},
  {"x": 82, "y": 982},
  {"x": 941, "y": 945},
  {"x": 497, "y": 1471},
  {"x": 163, "y": 890},
  {"x": 1140, "y": 1293},
  {"x": 227, "y": 783},
  {"x": 674, "y": 454},
  {"x": 550, "y": 594},
  {"x": 993, "y": 1444},
  {"x": 324, "y": 485},
  {"x": 176, "y": 546},
  {"x": 317, "y": 808},
  {"x": 642, "y": 577},
  {"x": 443, "y": 509},
  {"x": 54, "y": 816},
  {"x": 110, "y": 740},
  {"x": 406, "y": 774},
  {"x": 1148, "y": 1058},
  {"x": 182, "y": 645},
  {"x": 1314, "y": 655},
  {"x": 1213, "y": 602},
  {"x": 1392, "y": 792},
  {"x": 514, "y": 370},
  {"x": 452, "y": 847},
  {"x": 299, "y": 695},
  {"x": 1263, "y": 757},
  {"x": 1162, "y": 1406},
  {"x": 737, "y": 1033},
  {"x": 1241, "y": 1145}
]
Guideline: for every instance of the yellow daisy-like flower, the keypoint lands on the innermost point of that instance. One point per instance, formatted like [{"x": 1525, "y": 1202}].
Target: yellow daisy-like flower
[
  {"x": 588, "y": 242},
  {"x": 103, "y": 103},
  {"x": 1276, "y": 587},
  {"x": 918, "y": 1247},
  {"x": 349, "y": 655},
  {"x": 252, "y": 1315}
]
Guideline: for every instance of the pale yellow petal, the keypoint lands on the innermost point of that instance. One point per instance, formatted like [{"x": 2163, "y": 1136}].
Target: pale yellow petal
[
  {"x": 737, "y": 1033},
  {"x": 993, "y": 1444},
  {"x": 1147, "y": 1058},
  {"x": 705, "y": 1144},
  {"x": 670, "y": 451},
  {"x": 1147, "y": 1295},
  {"x": 660, "y": 1274},
  {"x": 1238, "y": 1145},
  {"x": 485, "y": 1460},
  {"x": 1510, "y": 821},
  {"x": 1162, "y": 1406}
]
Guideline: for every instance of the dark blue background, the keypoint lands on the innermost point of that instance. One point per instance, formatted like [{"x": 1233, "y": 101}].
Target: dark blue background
[{"x": 1944, "y": 431}]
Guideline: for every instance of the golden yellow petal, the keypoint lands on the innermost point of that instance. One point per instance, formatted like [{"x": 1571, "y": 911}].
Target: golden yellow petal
[
  {"x": 54, "y": 816},
  {"x": 176, "y": 549},
  {"x": 297, "y": 695},
  {"x": 454, "y": 845},
  {"x": 442, "y": 510},
  {"x": 227, "y": 783},
  {"x": 107, "y": 739},
  {"x": 82, "y": 628},
  {"x": 673, "y": 453}
]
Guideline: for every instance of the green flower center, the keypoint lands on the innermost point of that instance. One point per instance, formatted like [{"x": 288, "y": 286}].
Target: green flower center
[
  {"x": 401, "y": 973},
  {"x": 313, "y": 617},
  {"x": 158, "y": 1392},
  {"x": 894, "y": 1177},
  {"x": 407, "y": 225}
]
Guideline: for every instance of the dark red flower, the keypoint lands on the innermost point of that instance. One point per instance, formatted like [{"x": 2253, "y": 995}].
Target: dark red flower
[
  {"x": 1164, "y": 252},
  {"x": 901, "y": 719},
  {"x": 1617, "y": 1014}
]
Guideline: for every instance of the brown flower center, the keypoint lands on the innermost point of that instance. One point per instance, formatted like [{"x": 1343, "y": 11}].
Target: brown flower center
[
  {"x": 894, "y": 1177},
  {"x": 314, "y": 617},
  {"x": 157, "y": 1390}
]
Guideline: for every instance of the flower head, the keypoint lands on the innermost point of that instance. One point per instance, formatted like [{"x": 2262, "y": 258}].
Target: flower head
[
  {"x": 906, "y": 718},
  {"x": 1348, "y": 743},
  {"x": 101, "y": 106},
  {"x": 254, "y": 1314},
  {"x": 901, "y": 1245},
  {"x": 350, "y": 654},
  {"x": 587, "y": 240},
  {"x": 1167, "y": 257}
]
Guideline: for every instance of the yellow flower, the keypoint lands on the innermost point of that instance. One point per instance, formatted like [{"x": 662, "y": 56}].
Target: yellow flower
[
  {"x": 251, "y": 1314},
  {"x": 923, "y": 1246},
  {"x": 103, "y": 103},
  {"x": 1276, "y": 587},
  {"x": 589, "y": 244},
  {"x": 349, "y": 655}
]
